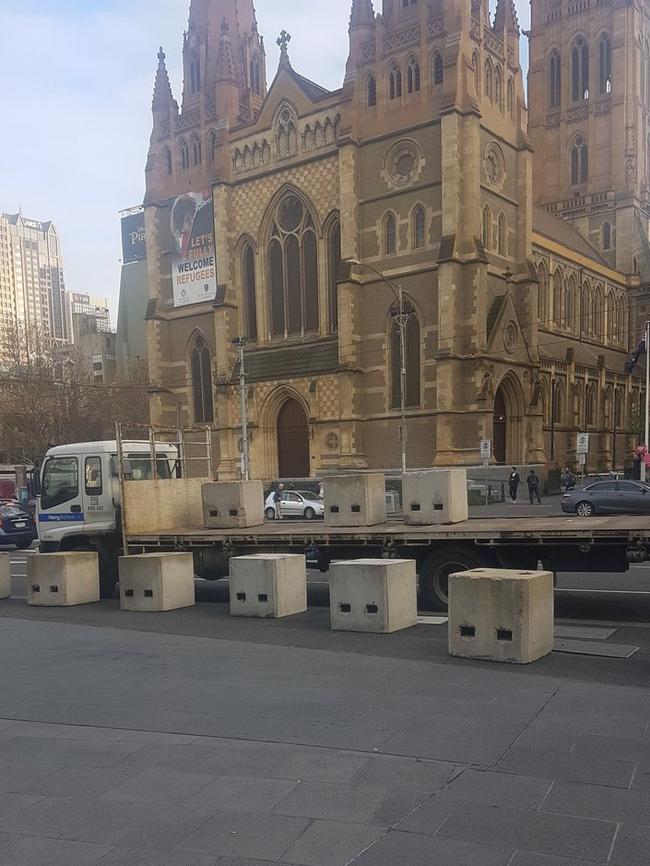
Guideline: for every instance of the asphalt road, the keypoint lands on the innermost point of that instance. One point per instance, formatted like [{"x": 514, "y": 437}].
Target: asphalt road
[{"x": 597, "y": 596}]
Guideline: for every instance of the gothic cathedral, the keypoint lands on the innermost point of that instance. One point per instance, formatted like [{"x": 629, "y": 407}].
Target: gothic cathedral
[{"x": 291, "y": 215}]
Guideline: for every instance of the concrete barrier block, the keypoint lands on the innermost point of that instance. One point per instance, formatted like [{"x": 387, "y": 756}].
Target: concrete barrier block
[
  {"x": 154, "y": 582},
  {"x": 62, "y": 579},
  {"x": 228, "y": 504},
  {"x": 5, "y": 575},
  {"x": 373, "y": 595},
  {"x": 435, "y": 496},
  {"x": 501, "y": 615},
  {"x": 268, "y": 585},
  {"x": 355, "y": 500}
]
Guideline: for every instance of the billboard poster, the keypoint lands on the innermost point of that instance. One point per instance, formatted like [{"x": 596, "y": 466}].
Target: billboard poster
[
  {"x": 134, "y": 245},
  {"x": 194, "y": 264}
]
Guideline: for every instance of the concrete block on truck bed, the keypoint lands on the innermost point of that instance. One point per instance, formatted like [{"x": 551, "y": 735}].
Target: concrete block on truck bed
[
  {"x": 5, "y": 575},
  {"x": 62, "y": 579},
  {"x": 231, "y": 504},
  {"x": 501, "y": 615},
  {"x": 435, "y": 496},
  {"x": 153, "y": 582},
  {"x": 373, "y": 595},
  {"x": 355, "y": 500},
  {"x": 268, "y": 585}
]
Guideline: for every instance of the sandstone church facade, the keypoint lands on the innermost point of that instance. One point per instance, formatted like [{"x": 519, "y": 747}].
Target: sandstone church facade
[{"x": 420, "y": 171}]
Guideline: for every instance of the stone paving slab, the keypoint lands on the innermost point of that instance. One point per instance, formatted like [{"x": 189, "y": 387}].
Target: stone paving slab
[{"x": 130, "y": 749}]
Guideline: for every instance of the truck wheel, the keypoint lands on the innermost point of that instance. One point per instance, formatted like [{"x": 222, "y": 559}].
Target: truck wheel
[
  {"x": 435, "y": 571},
  {"x": 108, "y": 571}
]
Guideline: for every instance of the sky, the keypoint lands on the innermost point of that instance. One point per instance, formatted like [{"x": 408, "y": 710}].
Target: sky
[{"x": 77, "y": 83}]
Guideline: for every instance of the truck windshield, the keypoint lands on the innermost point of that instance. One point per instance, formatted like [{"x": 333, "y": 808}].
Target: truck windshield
[{"x": 60, "y": 481}]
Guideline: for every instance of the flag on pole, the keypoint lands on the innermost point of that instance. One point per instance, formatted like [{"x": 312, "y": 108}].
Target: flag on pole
[{"x": 634, "y": 360}]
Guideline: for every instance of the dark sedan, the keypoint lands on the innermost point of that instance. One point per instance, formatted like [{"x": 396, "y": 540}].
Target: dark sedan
[
  {"x": 608, "y": 497},
  {"x": 17, "y": 527}
]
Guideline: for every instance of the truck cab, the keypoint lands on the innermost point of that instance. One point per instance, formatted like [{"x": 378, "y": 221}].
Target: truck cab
[{"x": 78, "y": 507}]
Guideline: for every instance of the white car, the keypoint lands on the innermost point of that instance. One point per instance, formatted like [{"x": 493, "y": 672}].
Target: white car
[{"x": 296, "y": 503}]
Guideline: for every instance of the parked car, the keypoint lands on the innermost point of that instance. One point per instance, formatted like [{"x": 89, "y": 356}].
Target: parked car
[
  {"x": 17, "y": 527},
  {"x": 296, "y": 503},
  {"x": 608, "y": 497}
]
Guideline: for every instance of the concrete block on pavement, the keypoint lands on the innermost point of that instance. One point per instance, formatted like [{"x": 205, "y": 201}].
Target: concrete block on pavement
[
  {"x": 501, "y": 615},
  {"x": 62, "y": 579},
  {"x": 228, "y": 504},
  {"x": 5, "y": 575},
  {"x": 435, "y": 496},
  {"x": 156, "y": 581},
  {"x": 355, "y": 500},
  {"x": 373, "y": 595},
  {"x": 268, "y": 585}
]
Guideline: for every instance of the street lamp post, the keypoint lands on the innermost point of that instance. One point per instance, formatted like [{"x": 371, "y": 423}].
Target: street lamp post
[
  {"x": 402, "y": 321},
  {"x": 239, "y": 343}
]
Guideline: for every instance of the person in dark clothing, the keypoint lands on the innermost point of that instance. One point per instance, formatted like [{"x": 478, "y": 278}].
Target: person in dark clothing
[
  {"x": 513, "y": 483},
  {"x": 277, "y": 501},
  {"x": 533, "y": 486}
]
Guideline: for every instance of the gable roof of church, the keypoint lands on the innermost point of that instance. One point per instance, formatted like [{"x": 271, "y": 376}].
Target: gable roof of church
[{"x": 562, "y": 232}]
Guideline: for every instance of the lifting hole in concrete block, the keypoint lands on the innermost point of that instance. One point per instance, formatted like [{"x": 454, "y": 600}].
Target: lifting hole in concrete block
[
  {"x": 334, "y": 509},
  {"x": 66, "y": 579},
  {"x": 356, "y": 509},
  {"x": 467, "y": 631},
  {"x": 373, "y": 595},
  {"x": 504, "y": 634},
  {"x": 154, "y": 582},
  {"x": 268, "y": 585}
]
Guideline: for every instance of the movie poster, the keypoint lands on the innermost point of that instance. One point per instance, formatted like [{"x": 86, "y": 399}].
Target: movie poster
[
  {"x": 194, "y": 265},
  {"x": 134, "y": 245}
]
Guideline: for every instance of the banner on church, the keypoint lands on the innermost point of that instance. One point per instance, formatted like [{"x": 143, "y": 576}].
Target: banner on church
[
  {"x": 134, "y": 245},
  {"x": 194, "y": 262}
]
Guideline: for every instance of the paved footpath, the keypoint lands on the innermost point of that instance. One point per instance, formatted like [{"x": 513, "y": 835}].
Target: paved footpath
[{"x": 142, "y": 746}]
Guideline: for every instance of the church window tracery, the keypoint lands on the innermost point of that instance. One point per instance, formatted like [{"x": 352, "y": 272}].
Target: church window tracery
[
  {"x": 580, "y": 70},
  {"x": 185, "y": 154},
  {"x": 390, "y": 234},
  {"x": 554, "y": 79},
  {"x": 579, "y": 161},
  {"x": 419, "y": 227},
  {"x": 413, "y": 76},
  {"x": 250, "y": 298},
  {"x": 605, "y": 64},
  {"x": 412, "y": 353},
  {"x": 437, "y": 68},
  {"x": 201, "y": 376},
  {"x": 395, "y": 82},
  {"x": 372, "y": 90}
]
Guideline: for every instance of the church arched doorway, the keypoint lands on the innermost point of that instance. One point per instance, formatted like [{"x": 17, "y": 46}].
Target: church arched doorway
[
  {"x": 293, "y": 441},
  {"x": 507, "y": 423}
]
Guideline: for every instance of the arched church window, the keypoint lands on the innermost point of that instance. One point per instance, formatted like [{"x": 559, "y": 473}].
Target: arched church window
[
  {"x": 580, "y": 70},
  {"x": 293, "y": 270},
  {"x": 501, "y": 235},
  {"x": 620, "y": 319},
  {"x": 557, "y": 401},
  {"x": 413, "y": 76},
  {"x": 590, "y": 405},
  {"x": 486, "y": 228},
  {"x": 646, "y": 66},
  {"x": 395, "y": 82},
  {"x": 419, "y": 225},
  {"x": 488, "y": 80},
  {"x": 498, "y": 88},
  {"x": 476, "y": 63},
  {"x": 372, "y": 90},
  {"x": 542, "y": 294},
  {"x": 619, "y": 401},
  {"x": 579, "y": 161},
  {"x": 212, "y": 146},
  {"x": 554, "y": 79},
  {"x": 599, "y": 315},
  {"x": 437, "y": 68},
  {"x": 607, "y": 236},
  {"x": 250, "y": 299},
  {"x": 185, "y": 154},
  {"x": 167, "y": 160},
  {"x": 605, "y": 64},
  {"x": 256, "y": 78},
  {"x": 196, "y": 150},
  {"x": 510, "y": 98},
  {"x": 390, "y": 234},
  {"x": 333, "y": 267},
  {"x": 201, "y": 372},
  {"x": 285, "y": 132},
  {"x": 412, "y": 354},
  {"x": 558, "y": 297}
]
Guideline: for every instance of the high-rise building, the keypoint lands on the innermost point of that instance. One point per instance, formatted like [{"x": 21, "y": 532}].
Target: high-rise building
[{"x": 32, "y": 285}]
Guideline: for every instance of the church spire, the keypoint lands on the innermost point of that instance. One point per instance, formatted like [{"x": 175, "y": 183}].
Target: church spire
[
  {"x": 362, "y": 13},
  {"x": 162, "y": 91},
  {"x": 226, "y": 68},
  {"x": 505, "y": 17}
]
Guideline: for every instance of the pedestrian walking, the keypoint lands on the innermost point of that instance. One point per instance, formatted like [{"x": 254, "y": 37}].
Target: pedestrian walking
[
  {"x": 277, "y": 501},
  {"x": 533, "y": 486},
  {"x": 513, "y": 483}
]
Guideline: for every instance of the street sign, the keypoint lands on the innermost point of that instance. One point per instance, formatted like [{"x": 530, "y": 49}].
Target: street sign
[
  {"x": 582, "y": 443},
  {"x": 582, "y": 459},
  {"x": 486, "y": 450}
]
